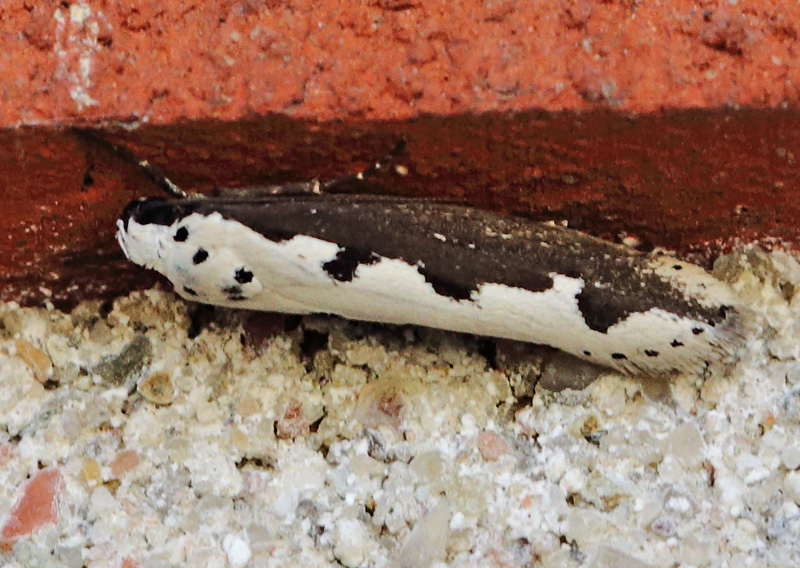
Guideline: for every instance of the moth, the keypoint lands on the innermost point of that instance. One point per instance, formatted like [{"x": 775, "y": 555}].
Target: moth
[{"x": 302, "y": 248}]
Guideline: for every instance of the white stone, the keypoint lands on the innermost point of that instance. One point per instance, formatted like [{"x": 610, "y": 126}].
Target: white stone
[
  {"x": 608, "y": 557},
  {"x": 686, "y": 444},
  {"x": 744, "y": 536},
  {"x": 426, "y": 542},
  {"x": 790, "y": 457},
  {"x": 59, "y": 350},
  {"x": 350, "y": 542},
  {"x": 556, "y": 466},
  {"x": 792, "y": 485},
  {"x": 573, "y": 481},
  {"x": 208, "y": 412},
  {"x": 649, "y": 512},
  {"x": 587, "y": 526},
  {"x": 213, "y": 471},
  {"x": 237, "y": 550},
  {"x": 284, "y": 504},
  {"x": 102, "y": 500},
  {"x": 458, "y": 522}
]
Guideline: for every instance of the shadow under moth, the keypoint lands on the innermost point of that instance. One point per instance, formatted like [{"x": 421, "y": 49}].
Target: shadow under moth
[{"x": 302, "y": 248}]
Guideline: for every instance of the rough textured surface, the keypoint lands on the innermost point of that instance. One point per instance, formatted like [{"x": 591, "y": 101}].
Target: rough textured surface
[
  {"x": 339, "y": 444},
  {"x": 624, "y": 118},
  {"x": 140, "y": 60}
]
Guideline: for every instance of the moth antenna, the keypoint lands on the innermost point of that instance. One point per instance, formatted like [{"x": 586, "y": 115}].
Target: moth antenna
[
  {"x": 314, "y": 186},
  {"x": 366, "y": 173},
  {"x": 152, "y": 173},
  {"x": 158, "y": 177}
]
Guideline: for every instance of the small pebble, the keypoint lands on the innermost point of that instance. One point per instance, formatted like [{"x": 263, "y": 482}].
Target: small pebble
[
  {"x": 118, "y": 370},
  {"x": 491, "y": 445},
  {"x": 664, "y": 527},
  {"x": 37, "y": 506},
  {"x": 7, "y": 452},
  {"x": 207, "y": 412},
  {"x": 792, "y": 485},
  {"x": 426, "y": 542},
  {"x": 90, "y": 473},
  {"x": 38, "y": 361},
  {"x": 609, "y": 557},
  {"x": 380, "y": 402},
  {"x": 123, "y": 462},
  {"x": 237, "y": 550},
  {"x": 350, "y": 542},
  {"x": 573, "y": 481},
  {"x": 686, "y": 445},
  {"x": 102, "y": 500},
  {"x": 157, "y": 388},
  {"x": 790, "y": 457},
  {"x": 292, "y": 423}
]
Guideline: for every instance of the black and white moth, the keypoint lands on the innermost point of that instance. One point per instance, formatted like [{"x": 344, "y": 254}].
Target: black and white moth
[{"x": 296, "y": 250}]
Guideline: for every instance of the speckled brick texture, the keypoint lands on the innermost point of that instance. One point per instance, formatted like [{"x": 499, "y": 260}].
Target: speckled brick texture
[{"x": 675, "y": 122}]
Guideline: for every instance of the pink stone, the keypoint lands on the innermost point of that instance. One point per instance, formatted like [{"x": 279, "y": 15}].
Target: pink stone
[
  {"x": 492, "y": 446},
  {"x": 7, "y": 452},
  {"x": 293, "y": 423},
  {"x": 381, "y": 402},
  {"x": 124, "y": 461},
  {"x": 37, "y": 506}
]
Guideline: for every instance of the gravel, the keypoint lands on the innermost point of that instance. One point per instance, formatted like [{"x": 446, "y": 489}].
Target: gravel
[{"x": 346, "y": 444}]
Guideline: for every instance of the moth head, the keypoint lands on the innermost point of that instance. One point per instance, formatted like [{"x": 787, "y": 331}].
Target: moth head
[
  {"x": 150, "y": 211},
  {"x": 142, "y": 227}
]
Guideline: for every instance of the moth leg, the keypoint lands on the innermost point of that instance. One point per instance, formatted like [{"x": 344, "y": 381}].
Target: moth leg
[
  {"x": 157, "y": 176},
  {"x": 201, "y": 316},
  {"x": 313, "y": 186}
]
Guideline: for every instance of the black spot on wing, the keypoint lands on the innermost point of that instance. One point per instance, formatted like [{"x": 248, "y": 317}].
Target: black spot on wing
[
  {"x": 618, "y": 356},
  {"x": 676, "y": 343},
  {"x": 446, "y": 287},
  {"x": 343, "y": 267},
  {"x": 243, "y": 276},
  {"x": 189, "y": 291},
  {"x": 181, "y": 234},
  {"x": 723, "y": 312},
  {"x": 651, "y": 353},
  {"x": 200, "y": 256},
  {"x": 601, "y": 308},
  {"x": 697, "y": 330},
  {"x": 460, "y": 286},
  {"x": 234, "y": 293}
]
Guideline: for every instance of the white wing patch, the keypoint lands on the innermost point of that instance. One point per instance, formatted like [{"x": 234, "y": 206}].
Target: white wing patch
[{"x": 219, "y": 261}]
